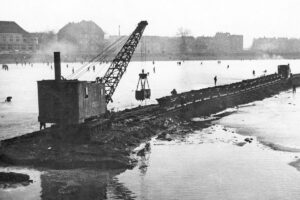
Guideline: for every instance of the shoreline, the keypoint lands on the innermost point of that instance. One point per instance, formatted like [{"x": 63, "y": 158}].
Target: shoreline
[
  {"x": 62, "y": 183},
  {"x": 44, "y": 58},
  {"x": 109, "y": 148}
]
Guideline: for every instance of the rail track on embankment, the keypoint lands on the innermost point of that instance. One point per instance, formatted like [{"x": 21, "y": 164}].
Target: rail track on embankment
[{"x": 203, "y": 102}]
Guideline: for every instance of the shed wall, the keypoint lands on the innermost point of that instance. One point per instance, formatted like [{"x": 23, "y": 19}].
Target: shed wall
[
  {"x": 58, "y": 101},
  {"x": 65, "y": 102},
  {"x": 93, "y": 103}
]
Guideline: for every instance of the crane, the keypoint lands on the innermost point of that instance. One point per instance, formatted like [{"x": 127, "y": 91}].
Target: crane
[
  {"x": 119, "y": 64},
  {"x": 71, "y": 101}
]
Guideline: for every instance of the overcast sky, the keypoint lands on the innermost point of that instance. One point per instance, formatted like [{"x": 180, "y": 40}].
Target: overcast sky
[{"x": 252, "y": 18}]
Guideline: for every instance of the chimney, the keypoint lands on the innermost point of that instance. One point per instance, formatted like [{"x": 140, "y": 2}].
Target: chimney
[{"x": 57, "y": 66}]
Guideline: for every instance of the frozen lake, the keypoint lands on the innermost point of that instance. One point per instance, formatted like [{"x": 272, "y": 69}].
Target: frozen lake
[
  {"x": 20, "y": 116},
  {"x": 206, "y": 164}
]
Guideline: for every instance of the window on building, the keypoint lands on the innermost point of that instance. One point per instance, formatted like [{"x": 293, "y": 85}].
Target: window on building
[{"x": 86, "y": 92}]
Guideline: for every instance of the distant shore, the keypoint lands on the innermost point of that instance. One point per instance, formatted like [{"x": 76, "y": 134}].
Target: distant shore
[{"x": 40, "y": 58}]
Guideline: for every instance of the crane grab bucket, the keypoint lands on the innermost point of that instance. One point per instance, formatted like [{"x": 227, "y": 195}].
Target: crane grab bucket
[
  {"x": 119, "y": 65},
  {"x": 144, "y": 92}
]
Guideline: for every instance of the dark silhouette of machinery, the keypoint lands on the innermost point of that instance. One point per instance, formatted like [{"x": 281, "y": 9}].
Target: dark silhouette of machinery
[
  {"x": 119, "y": 65},
  {"x": 72, "y": 101},
  {"x": 284, "y": 70},
  {"x": 142, "y": 90}
]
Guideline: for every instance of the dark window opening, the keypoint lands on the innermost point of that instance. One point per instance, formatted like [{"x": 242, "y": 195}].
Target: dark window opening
[{"x": 86, "y": 92}]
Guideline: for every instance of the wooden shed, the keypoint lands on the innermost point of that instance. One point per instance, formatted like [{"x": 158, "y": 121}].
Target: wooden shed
[
  {"x": 284, "y": 70},
  {"x": 69, "y": 101}
]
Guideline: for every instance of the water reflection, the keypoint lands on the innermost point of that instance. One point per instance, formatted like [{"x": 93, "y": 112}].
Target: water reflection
[
  {"x": 66, "y": 184},
  {"x": 117, "y": 190},
  {"x": 143, "y": 160},
  {"x": 209, "y": 164},
  {"x": 26, "y": 191},
  {"x": 143, "y": 164}
]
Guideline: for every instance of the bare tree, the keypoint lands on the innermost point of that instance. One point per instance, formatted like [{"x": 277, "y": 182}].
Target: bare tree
[{"x": 183, "y": 34}]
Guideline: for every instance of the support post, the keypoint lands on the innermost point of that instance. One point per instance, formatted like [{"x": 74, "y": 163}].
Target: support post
[{"x": 57, "y": 69}]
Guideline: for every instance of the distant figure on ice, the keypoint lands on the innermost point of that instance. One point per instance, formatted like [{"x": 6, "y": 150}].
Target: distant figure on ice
[
  {"x": 154, "y": 69},
  {"x": 5, "y": 67},
  {"x": 253, "y": 72},
  {"x": 227, "y": 66},
  {"x": 94, "y": 68},
  {"x": 73, "y": 70},
  {"x": 294, "y": 88},
  {"x": 215, "y": 79},
  {"x": 265, "y": 71},
  {"x": 153, "y": 62},
  {"x": 8, "y": 99},
  {"x": 174, "y": 92},
  {"x": 67, "y": 65}
]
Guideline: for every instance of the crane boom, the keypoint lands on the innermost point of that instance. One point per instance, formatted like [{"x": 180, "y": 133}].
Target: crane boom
[{"x": 118, "y": 66}]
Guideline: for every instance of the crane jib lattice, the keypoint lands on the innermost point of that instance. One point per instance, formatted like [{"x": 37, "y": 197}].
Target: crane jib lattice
[{"x": 118, "y": 66}]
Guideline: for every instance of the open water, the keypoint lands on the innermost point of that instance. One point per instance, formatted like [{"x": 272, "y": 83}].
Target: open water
[{"x": 206, "y": 164}]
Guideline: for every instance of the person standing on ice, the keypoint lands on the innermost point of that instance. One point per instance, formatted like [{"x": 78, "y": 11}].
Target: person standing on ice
[{"x": 215, "y": 79}]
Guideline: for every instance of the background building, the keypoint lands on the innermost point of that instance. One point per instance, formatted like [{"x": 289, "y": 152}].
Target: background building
[
  {"x": 14, "y": 39},
  {"x": 221, "y": 43},
  {"x": 276, "y": 45},
  {"x": 86, "y": 36},
  {"x": 85, "y": 39}
]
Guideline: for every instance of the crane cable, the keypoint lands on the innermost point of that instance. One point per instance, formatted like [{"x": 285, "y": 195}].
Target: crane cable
[
  {"x": 99, "y": 58},
  {"x": 117, "y": 46},
  {"x": 83, "y": 68},
  {"x": 109, "y": 53}
]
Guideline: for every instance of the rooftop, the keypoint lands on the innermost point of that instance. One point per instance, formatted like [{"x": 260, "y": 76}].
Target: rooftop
[
  {"x": 11, "y": 27},
  {"x": 83, "y": 27}
]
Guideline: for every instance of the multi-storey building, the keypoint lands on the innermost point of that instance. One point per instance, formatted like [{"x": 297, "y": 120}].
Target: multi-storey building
[
  {"x": 223, "y": 43},
  {"x": 14, "y": 39},
  {"x": 276, "y": 45},
  {"x": 86, "y": 36}
]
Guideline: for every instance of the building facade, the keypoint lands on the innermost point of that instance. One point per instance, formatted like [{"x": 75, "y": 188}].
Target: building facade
[
  {"x": 221, "y": 43},
  {"x": 276, "y": 45},
  {"x": 14, "y": 39},
  {"x": 86, "y": 36}
]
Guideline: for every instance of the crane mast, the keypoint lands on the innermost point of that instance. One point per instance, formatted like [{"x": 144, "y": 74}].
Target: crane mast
[{"x": 119, "y": 65}]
